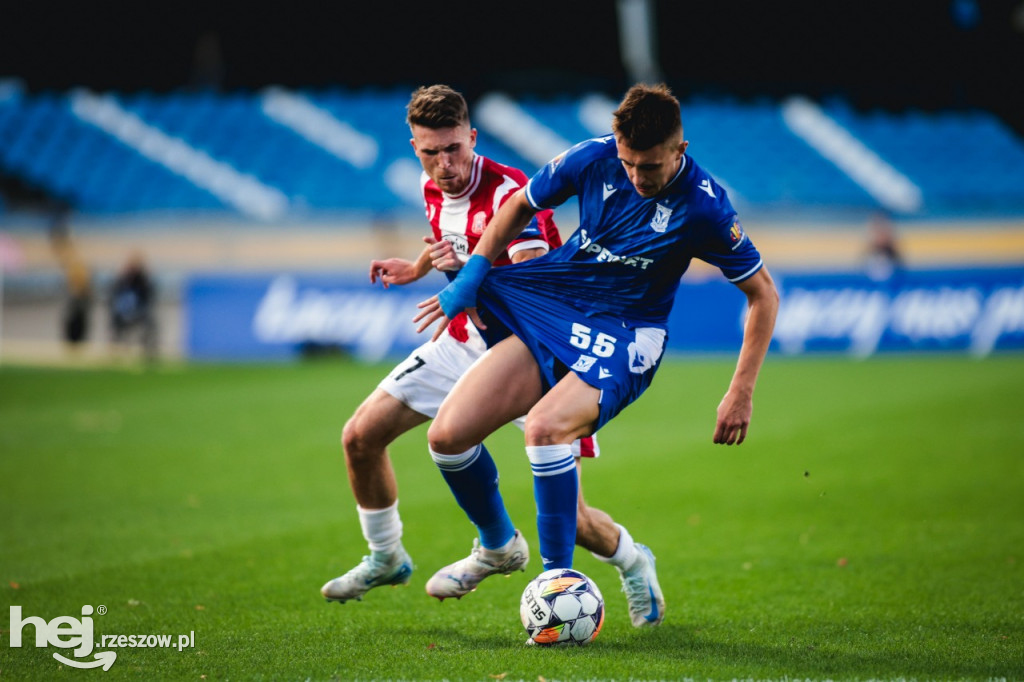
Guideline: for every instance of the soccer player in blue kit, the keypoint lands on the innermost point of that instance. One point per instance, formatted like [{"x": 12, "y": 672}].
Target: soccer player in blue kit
[{"x": 588, "y": 320}]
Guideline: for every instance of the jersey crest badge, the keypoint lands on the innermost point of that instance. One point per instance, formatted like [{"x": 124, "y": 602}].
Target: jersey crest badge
[
  {"x": 660, "y": 221},
  {"x": 479, "y": 223}
]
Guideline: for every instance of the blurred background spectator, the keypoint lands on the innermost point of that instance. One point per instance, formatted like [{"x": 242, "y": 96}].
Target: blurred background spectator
[
  {"x": 131, "y": 308},
  {"x": 78, "y": 294},
  {"x": 884, "y": 259}
]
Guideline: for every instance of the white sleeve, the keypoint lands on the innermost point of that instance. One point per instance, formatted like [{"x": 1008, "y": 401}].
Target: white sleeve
[{"x": 528, "y": 244}]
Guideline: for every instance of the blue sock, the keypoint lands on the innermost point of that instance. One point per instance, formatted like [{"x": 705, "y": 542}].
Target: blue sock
[
  {"x": 555, "y": 487},
  {"x": 473, "y": 479}
]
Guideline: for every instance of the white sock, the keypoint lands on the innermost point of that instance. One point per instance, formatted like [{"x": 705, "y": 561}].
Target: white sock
[
  {"x": 382, "y": 528},
  {"x": 625, "y": 553}
]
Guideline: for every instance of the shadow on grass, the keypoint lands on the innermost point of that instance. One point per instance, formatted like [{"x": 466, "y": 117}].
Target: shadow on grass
[
  {"x": 832, "y": 655},
  {"x": 674, "y": 651}
]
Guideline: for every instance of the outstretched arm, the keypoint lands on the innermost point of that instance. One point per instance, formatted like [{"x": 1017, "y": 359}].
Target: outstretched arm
[
  {"x": 438, "y": 255},
  {"x": 735, "y": 410},
  {"x": 399, "y": 270},
  {"x": 460, "y": 294}
]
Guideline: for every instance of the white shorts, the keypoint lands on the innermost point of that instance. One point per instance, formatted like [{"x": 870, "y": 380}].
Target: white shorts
[{"x": 427, "y": 376}]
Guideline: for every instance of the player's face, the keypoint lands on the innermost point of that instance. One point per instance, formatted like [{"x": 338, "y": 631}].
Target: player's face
[
  {"x": 446, "y": 155},
  {"x": 651, "y": 169}
]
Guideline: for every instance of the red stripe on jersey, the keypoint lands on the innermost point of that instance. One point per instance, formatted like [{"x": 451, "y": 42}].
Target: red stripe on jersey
[{"x": 462, "y": 218}]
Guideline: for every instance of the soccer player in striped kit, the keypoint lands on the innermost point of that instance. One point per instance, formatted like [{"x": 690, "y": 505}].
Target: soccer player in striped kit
[{"x": 462, "y": 191}]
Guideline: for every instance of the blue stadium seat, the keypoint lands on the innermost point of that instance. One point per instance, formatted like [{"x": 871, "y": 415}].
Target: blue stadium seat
[{"x": 963, "y": 161}]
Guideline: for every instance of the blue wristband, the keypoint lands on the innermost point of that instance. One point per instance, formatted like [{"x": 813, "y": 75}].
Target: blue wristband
[{"x": 461, "y": 291}]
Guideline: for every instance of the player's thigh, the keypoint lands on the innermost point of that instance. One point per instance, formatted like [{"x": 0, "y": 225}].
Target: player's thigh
[
  {"x": 379, "y": 420},
  {"x": 567, "y": 412},
  {"x": 424, "y": 379},
  {"x": 500, "y": 387}
]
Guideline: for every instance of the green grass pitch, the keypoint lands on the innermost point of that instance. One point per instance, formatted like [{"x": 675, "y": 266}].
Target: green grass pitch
[{"x": 872, "y": 527}]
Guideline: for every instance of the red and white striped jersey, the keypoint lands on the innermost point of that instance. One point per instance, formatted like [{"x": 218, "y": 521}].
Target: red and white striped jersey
[{"x": 461, "y": 219}]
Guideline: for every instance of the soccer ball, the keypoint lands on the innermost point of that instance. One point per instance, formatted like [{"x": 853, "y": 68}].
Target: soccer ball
[{"x": 562, "y": 606}]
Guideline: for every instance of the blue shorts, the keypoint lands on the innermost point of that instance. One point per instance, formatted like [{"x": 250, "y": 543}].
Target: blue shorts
[{"x": 617, "y": 358}]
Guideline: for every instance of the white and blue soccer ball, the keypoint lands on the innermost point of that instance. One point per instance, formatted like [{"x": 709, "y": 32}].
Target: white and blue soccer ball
[{"x": 562, "y": 606}]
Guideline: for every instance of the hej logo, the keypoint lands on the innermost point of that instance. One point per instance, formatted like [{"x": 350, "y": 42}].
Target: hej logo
[{"x": 65, "y": 632}]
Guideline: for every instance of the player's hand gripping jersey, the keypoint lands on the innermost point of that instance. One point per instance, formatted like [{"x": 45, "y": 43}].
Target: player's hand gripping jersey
[
  {"x": 461, "y": 219},
  {"x": 600, "y": 304}
]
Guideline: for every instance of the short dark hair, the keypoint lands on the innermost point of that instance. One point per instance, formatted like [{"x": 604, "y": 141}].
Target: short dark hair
[
  {"x": 647, "y": 116},
  {"x": 437, "y": 106}
]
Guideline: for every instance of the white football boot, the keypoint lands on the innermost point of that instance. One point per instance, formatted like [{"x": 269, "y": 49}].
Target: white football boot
[
  {"x": 373, "y": 571},
  {"x": 643, "y": 593},
  {"x": 459, "y": 579}
]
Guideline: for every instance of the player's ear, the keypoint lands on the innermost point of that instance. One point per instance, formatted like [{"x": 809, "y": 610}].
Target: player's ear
[
  {"x": 682, "y": 146},
  {"x": 412, "y": 141},
  {"x": 472, "y": 138}
]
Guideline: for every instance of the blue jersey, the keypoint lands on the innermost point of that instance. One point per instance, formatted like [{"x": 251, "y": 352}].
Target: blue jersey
[
  {"x": 629, "y": 252},
  {"x": 599, "y": 304}
]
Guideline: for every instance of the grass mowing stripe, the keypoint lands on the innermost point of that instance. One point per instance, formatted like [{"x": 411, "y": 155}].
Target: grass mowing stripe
[{"x": 869, "y": 528}]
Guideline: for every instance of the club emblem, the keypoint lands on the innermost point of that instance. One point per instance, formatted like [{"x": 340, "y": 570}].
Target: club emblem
[{"x": 660, "y": 221}]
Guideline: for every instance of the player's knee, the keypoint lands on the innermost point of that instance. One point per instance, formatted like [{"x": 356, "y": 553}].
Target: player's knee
[
  {"x": 357, "y": 441},
  {"x": 445, "y": 440},
  {"x": 542, "y": 430},
  {"x": 439, "y": 438},
  {"x": 350, "y": 437}
]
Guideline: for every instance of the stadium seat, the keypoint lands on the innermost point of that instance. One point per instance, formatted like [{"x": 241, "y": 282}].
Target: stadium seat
[{"x": 746, "y": 144}]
